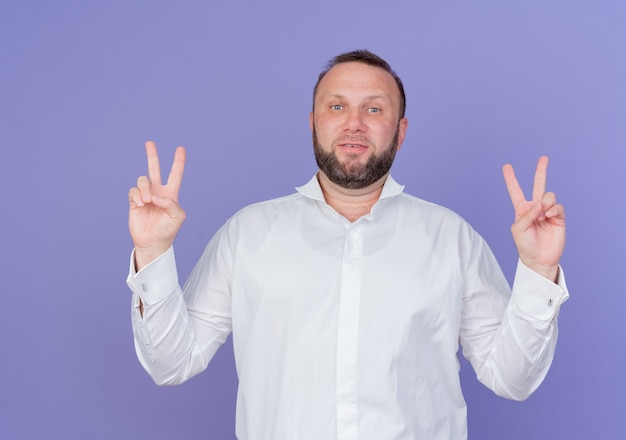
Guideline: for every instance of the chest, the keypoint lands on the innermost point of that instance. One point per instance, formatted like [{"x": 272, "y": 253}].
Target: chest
[{"x": 393, "y": 283}]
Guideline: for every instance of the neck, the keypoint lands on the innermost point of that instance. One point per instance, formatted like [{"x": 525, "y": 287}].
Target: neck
[{"x": 351, "y": 203}]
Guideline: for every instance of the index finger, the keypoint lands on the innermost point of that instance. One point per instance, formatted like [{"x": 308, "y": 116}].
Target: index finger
[
  {"x": 178, "y": 168},
  {"x": 539, "y": 185},
  {"x": 512, "y": 185},
  {"x": 154, "y": 169}
]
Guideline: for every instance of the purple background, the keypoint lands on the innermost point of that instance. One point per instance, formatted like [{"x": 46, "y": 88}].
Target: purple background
[{"x": 84, "y": 85}]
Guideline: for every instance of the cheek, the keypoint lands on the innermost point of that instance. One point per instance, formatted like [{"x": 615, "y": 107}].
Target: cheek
[
  {"x": 324, "y": 127},
  {"x": 326, "y": 123},
  {"x": 385, "y": 130}
]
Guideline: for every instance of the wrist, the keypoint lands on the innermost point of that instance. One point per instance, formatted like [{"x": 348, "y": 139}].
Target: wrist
[
  {"x": 145, "y": 255},
  {"x": 549, "y": 272}
]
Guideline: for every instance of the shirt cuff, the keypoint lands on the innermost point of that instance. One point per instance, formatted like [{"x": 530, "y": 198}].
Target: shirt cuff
[
  {"x": 536, "y": 295},
  {"x": 155, "y": 281}
]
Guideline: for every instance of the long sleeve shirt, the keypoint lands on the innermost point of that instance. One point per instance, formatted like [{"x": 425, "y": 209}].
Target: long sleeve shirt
[{"x": 348, "y": 330}]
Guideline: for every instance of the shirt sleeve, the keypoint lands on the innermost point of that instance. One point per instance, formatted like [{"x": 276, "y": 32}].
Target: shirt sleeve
[
  {"x": 537, "y": 296},
  {"x": 181, "y": 329},
  {"x": 510, "y": 338}
]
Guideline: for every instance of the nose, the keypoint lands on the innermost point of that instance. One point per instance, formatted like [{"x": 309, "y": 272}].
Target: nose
[{"x": 354, "y": 121}]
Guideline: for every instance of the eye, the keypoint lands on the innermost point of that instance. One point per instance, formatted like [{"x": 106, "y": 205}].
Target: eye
[
  {"x": 336, "y": 107},
  {"x": 374, "y": 110}
]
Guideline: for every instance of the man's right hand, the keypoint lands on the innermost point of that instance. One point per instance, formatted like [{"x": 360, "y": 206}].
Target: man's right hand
[{"x": 155, "y": 216}]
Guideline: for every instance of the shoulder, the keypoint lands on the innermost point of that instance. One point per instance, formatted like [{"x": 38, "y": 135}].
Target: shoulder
[
  {"x": 431, "y": 221},
  {"x": 440, "y": 228},
  {"x": 268, "y": 207},
  {"x": 267, "y": 213},
  {"x": 421, "y": 210}
]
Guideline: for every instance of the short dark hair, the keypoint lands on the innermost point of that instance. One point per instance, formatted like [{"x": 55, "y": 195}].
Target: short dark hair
[{"x": 366, "y": 57}]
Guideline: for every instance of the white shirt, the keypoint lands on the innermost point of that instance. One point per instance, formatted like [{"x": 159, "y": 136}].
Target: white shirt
[{"x": 346, "y": 330}]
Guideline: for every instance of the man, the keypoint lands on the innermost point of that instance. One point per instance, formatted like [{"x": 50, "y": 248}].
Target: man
[{"x": 347, "y": 300}]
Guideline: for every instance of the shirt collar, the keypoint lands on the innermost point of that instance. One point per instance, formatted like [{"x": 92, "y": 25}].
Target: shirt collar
[{"x": 313, "y": 190}]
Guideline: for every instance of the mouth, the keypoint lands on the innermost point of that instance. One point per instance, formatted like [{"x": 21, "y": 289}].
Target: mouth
[{"x": 353, "y": 146}]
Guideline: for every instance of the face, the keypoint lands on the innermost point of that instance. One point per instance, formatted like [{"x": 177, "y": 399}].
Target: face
[{"x": 356, "y": 124}]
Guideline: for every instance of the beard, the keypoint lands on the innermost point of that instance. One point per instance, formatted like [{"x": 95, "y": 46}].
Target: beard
[{"x": 351, "y": 175}]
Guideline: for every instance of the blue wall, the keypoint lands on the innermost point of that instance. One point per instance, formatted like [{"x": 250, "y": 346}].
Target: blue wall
[{"x": 83, "y": 85}]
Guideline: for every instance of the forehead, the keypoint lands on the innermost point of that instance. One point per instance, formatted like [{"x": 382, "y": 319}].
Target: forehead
[{"x": 354, "y": 79}]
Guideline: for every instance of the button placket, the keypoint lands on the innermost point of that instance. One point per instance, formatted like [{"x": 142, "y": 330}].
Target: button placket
[{"x": 347, "y": 335}]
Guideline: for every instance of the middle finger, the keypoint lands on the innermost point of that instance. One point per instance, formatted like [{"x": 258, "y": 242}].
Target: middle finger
[{"x": 539, "y": 185}]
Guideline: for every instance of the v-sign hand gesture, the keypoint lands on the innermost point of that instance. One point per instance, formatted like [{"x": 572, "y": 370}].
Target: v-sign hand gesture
[
  {"x": 155, "y": 217},
  {"x": 539, "y": 228}
]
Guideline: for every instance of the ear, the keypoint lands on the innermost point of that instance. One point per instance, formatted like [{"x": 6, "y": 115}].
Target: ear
[
  {"x": 311, "y": 120},
  {"x": 402, "y": 126}
]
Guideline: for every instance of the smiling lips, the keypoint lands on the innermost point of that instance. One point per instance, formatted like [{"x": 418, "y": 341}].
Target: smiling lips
[{"x": 353, "y": 146}]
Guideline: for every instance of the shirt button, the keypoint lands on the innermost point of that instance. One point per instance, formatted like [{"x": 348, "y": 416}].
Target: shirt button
[
  {"x": 550, "y": 302},
  {"x": 144, "y": 288}
]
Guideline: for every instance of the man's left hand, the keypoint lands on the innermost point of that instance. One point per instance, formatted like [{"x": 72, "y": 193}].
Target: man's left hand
[{"x": 539, "y": 228}]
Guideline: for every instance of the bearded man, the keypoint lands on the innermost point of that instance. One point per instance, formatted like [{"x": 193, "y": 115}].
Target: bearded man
[{"x": 348, "y": 300}]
